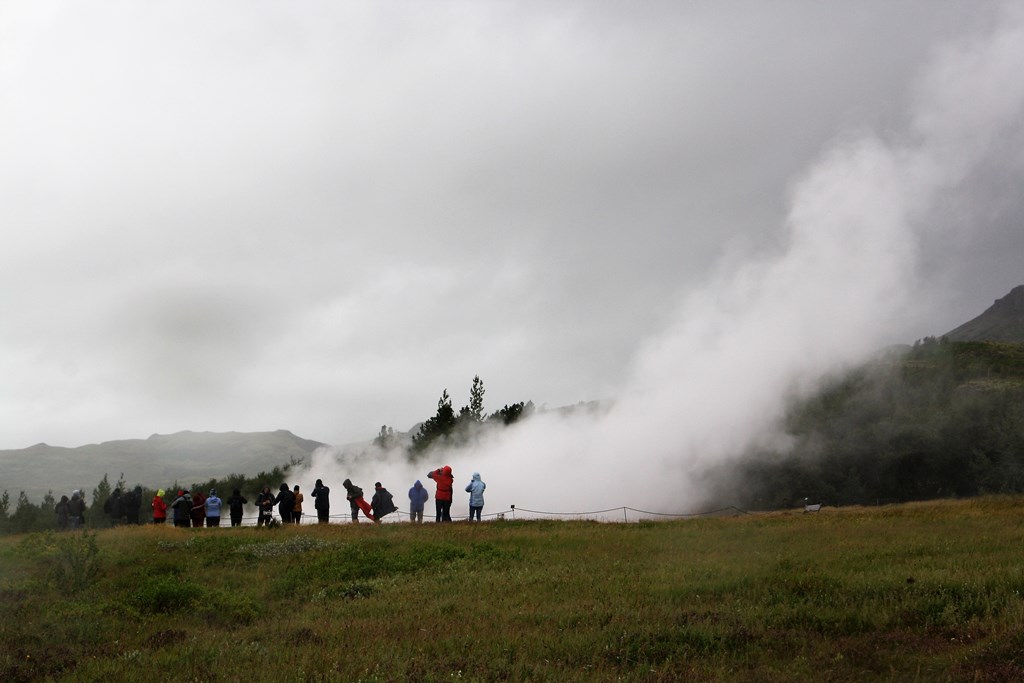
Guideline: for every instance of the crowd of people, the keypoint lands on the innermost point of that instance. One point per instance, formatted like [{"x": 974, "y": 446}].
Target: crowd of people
[{"x": 197, "y": 509}]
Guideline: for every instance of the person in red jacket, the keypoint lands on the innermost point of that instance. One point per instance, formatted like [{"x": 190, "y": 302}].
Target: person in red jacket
[
  {"x": 356, "y": 501},
  {"x": 443, "y": 498},
  {"x": 159, "y": 508}
]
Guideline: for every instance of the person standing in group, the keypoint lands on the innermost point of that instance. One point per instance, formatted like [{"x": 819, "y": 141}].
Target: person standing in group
[
  {"x": 132, "y": 501},
  {"x": 297, "y": 510},
  {"x": 212, "y": 504},
  {"x": 322, "y": 496},
  {"x": 285, "y": 504},
  {"x": 182, "y": 507},
  {"x": 475, "y": 489},
  {"x": 76, "y": 509},
  {"x": 114, "y": 507},
  {"x": 356, "y": 501},
  {"x": 443, "y": 496},
  {"x": 198, "y": 509},
  {"x": 63, "y": 512},
  {"x": 265, "y": 505},
  {"x": 159, "y": 508},
  {"x": 383, "y": 503},
  {"x": 418, "y": 497},
  {"x": 236, "y": 505}
]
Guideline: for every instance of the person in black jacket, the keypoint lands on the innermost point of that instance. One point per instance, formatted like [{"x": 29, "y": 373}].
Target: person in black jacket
[
  {"x": 114, "y": 507},
  {"x": 235, "y": 505},
  {"x": 63, "y": 512},
  {"x": 182, "y": 507},
  {"x": 321, "y": 495},
  {"x": 76, "y": 509},
  {"x": 265, "y": 505},
  {"x": 132, "y": 505},
  {"x": 383, "y": 503},
  {"x": 285, "y": 504}
]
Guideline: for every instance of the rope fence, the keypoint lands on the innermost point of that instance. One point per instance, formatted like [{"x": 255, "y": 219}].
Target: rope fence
[{"x": 512, "y": 513}]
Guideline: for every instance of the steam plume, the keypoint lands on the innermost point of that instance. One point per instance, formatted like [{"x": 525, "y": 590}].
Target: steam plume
[{"x": 716, "y": 380}]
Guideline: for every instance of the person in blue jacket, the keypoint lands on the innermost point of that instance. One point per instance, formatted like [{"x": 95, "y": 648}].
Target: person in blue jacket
[
  {"x": 475, "y": 489},
  {"x": 212, "y": 504},
  {"x": 418, "y": 496}
]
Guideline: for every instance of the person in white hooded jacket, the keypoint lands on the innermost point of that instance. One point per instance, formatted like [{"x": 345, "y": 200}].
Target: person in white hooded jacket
[{"x": 475, "y": 489}]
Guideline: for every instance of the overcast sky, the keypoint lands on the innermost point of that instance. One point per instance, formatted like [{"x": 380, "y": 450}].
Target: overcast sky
[{"x": 315, "y": 216}]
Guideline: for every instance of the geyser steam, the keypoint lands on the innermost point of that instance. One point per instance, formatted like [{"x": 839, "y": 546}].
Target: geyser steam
[{"x": 715, "y": 382}]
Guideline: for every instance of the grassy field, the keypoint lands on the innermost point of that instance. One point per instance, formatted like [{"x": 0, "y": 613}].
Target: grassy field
[{"x": 919, "y": 592}]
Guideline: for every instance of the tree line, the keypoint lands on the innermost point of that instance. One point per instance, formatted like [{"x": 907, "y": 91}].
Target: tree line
[
  {"x": 25, "y": 516},
  {"x": 448, "y": 429}
]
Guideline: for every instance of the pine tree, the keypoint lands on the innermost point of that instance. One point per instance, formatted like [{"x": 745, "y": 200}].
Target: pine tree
[
  {"x": 437, "y": 427},
  {"x": 99, "y": 497},
  {"x": 476, "y": 399},
  {"x": 386, "y": 438},
  {"x": 25, "y": 514}
]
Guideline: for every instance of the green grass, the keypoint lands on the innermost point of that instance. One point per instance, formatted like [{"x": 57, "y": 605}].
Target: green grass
[{"x": 928, "y": 592}]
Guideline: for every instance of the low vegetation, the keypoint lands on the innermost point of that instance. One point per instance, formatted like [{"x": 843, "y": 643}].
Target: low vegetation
[{"x": 924, "y": 591}]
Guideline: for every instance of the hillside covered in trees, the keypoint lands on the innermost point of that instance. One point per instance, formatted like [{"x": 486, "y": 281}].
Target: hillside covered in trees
[{"x": 944, "y": 419}]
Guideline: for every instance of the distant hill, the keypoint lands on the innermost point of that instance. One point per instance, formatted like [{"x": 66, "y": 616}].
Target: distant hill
[
  {"x": 159, "y": 461},
  {"x": 1002, "y": 322}
]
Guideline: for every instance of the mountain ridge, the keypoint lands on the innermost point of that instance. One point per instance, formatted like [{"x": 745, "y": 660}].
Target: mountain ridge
[
  {"x": 1003, "y": 321},
  {"x": 160, "y": 459}
]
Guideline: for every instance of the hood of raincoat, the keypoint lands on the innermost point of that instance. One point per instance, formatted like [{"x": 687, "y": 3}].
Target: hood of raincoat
[{"x": 475, "y": 489}]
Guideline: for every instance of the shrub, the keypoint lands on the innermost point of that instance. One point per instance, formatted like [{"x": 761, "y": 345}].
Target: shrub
[
  {"x": 165, "y": 594},
  {"x": 76, "y": 562}
]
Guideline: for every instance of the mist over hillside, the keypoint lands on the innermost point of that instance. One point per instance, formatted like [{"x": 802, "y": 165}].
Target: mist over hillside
[{"x": 945, "y": 419}]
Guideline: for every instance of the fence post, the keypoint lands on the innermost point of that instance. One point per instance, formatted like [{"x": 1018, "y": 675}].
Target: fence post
[{"x": 624, "y": 518}]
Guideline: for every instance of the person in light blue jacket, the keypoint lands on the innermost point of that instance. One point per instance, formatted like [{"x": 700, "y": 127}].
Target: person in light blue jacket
[
  {"x": 475, "y": 489},
  {"x": 212, "y": 505}
]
